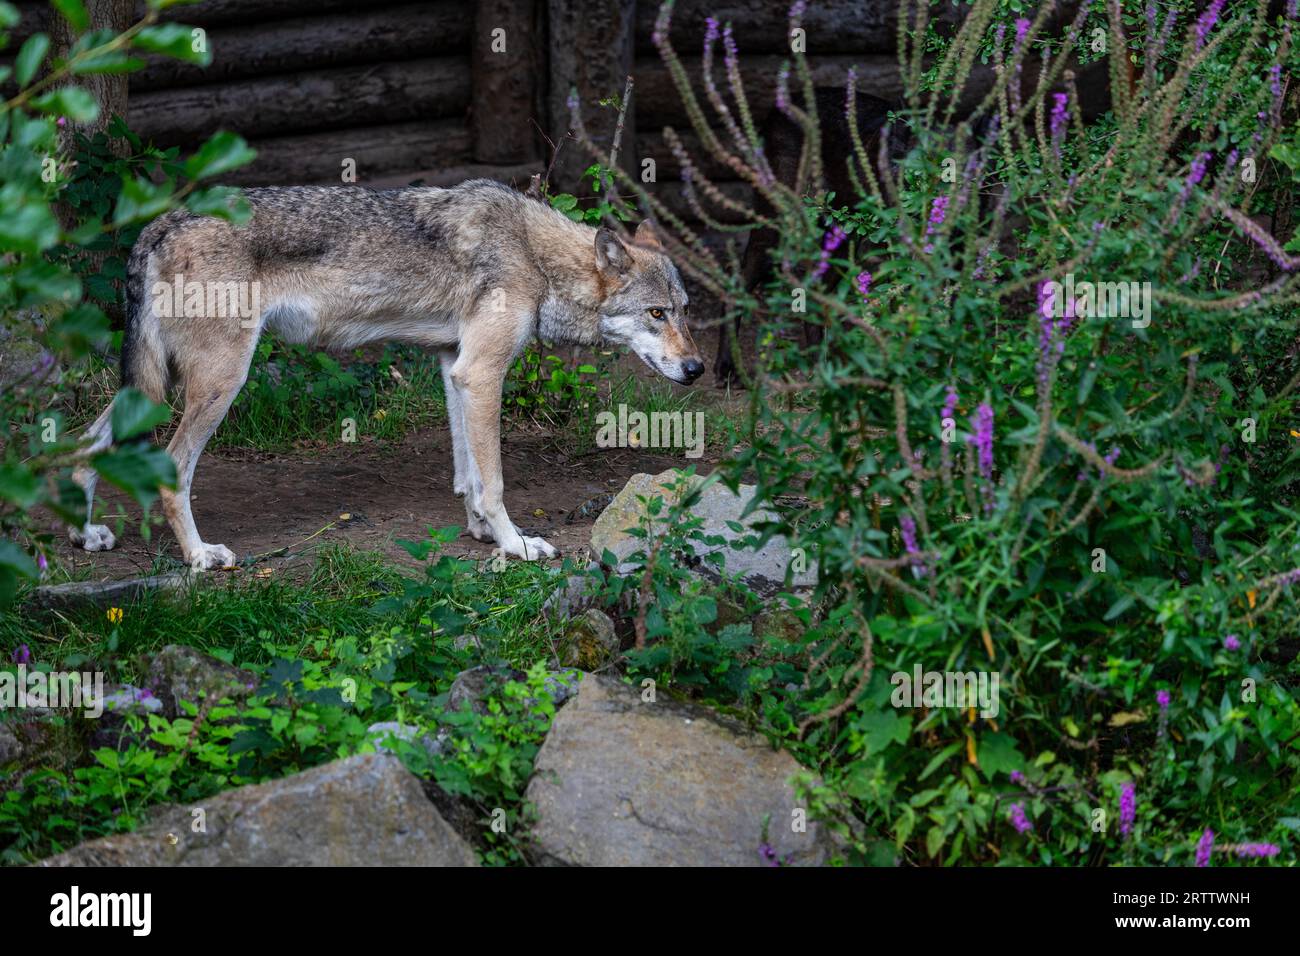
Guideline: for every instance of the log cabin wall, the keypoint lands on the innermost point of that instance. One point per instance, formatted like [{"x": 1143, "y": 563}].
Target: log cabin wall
[{"x": 440, "y": 90}]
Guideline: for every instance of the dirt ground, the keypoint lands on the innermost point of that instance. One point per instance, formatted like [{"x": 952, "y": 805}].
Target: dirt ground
[{"x": 276, "y": 510}]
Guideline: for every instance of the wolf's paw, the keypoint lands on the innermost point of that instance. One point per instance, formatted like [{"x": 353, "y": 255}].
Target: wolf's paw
[
  {"x": 93, "y": 537},
  {"x": 531, "y": 549},
  {"x": 208, "y": 557}
]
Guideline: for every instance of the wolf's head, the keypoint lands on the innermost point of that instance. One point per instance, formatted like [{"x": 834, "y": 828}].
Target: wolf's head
[{"x": 645, "y": 305}]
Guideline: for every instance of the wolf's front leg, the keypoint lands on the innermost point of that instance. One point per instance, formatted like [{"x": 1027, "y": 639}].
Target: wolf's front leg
[{"x": 480, "y": 400}]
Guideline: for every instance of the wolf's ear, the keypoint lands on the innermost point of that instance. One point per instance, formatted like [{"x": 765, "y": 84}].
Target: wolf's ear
[
  {"x": 612, "y": 256},
  {"x": 647, "y": 236}
]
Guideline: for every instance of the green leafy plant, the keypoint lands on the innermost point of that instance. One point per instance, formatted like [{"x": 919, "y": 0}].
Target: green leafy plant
[{"x": 56, "y": 215}]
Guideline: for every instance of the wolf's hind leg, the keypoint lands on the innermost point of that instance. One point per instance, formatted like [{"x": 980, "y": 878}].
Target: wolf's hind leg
[
  {"x": 93, "y": 537},
  {"x": 210, "y": 387}
]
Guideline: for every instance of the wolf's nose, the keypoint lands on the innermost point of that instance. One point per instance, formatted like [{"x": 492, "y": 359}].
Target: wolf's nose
[{"x": 693, "y": 368}]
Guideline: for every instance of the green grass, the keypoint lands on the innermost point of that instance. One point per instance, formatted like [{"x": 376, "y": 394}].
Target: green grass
[
  {"x": 294, "y": 396},
  {"x": 243, "y": 614}
]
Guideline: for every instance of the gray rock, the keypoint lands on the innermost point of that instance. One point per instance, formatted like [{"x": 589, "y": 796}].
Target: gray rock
[
  {"x": 11, "y": 748},
  {"x": 378, "y": 733},
  {"x": 620, "y": 782},
  {"x": 563, "y": 686},
  {"x": 38, "y": 737},
  {"x": 23, "y": 359},
  {"x": 366, "y": 810},
  {"x": 124, "y": 700},
  {"x": 571, "y": 598},
  {"x": 471, "y": 686},
  {"x": 178, "y": 673},
  {"x": 112, "y": 729},
  {"x": 106, "y": 594},
  {"x": 465, "y": 641},
  {"x": 763, "y": 570},
  {"x": 590, "y": 641}
]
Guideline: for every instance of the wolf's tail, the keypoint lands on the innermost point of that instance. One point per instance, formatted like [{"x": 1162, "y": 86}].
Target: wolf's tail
[{"x": 145, "y": 362}]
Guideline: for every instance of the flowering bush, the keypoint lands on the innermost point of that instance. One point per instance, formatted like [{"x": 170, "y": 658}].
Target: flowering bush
[{"x": 1046, "y": 435}]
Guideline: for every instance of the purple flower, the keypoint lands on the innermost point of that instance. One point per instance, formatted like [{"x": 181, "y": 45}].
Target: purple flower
[
  {"x": 830, "y": 242},
  {"x": 711, "y": 31},
  {"x": 983, "y": 438},
  {"x": 1019, "y": 820},
  {"x": 1256, "y": 849},
  {"x": 864, "y": 283},
  {"x": 1022, "y": 29},
  {"x": 1194, "y": 175},
  {"x": 1059, "y": 117},
  {"x": 768, "y": 855},
  {"x": 1127, "y": 808},
  {"x": 1018, "y": 778},
  {"x": 949, "y": 403},
  {"x": 938, "y": 213},
  {"x": 1163, "y": 698},
  {"x": 22, "y": 654},
  {"x": 783, "y": 89},
  {"x": 1110, "y": 458},
  {"x": 907, "y": 529},
  {"x": 1207, "y": 21},
  {"x": 42, "y": 563},
  {"x": 1231, "y": 642},
  {"x": 1204, "y": 848}
]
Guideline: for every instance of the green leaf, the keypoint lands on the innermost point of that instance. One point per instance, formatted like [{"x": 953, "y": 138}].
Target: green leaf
[
  {"x": 997, "y": 753},
  {"x": 15, "y": 563},
  {"x": 28, "y": 225},
  {"x": 934, "y": 841},
  {"x": 110, "y": 61},
  {"x": 74, "y": 11},
  {"x": 134, "y": 414},
  {"x": 223, "y": 202},
  {"x": 30, "y": 57},
  {"x": 1119, "y": 607},
  {"x": 70, "y": 101},
  {"x": 175, "y": 40},
  {"x": 18, "y": 485},
  {"x": 141, "y": 199},
  {"x": 138, "y": 469},
  {"x": 9, "y": 15},
  {"x": 223, "y": 152}
]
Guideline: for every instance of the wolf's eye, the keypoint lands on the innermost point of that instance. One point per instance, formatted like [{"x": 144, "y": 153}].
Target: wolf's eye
[{"x": 656, "y": 313}]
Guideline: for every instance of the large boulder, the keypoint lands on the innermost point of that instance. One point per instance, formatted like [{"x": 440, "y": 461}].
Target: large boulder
[
  {"x": 621, "y": 782},
  {"x": 763, "y": 570},
  {"x": 367, "y": 810}
]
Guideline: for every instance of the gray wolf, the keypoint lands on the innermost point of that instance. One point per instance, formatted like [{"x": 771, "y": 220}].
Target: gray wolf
[{"x": 474, "y": 272}]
